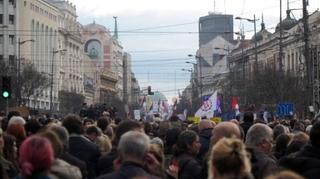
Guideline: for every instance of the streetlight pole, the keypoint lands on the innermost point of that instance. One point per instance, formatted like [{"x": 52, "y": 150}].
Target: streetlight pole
[
  {"x": 254, "y": 20},
  {"x": 52, "y": 68},
  {"x": 19, "y": 70}
]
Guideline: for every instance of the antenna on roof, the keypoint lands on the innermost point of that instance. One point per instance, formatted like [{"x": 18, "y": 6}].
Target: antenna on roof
[{"x": 214, "y": 5}]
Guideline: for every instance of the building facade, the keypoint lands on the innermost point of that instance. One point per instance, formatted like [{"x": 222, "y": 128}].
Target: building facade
[
  {"x": 127, "y": 78},
  {"x": 214, "y": 25}
]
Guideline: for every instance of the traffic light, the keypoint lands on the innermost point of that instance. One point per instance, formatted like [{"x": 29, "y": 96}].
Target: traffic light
[
  {"x": 6, "y": 87},
  {"x": 149, "y": 91}
]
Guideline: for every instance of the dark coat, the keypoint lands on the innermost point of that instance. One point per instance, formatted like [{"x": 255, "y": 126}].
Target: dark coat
[
  {"x": 306, "y": 162},
  {"x": 189, "y": 167},
  {"x": 86, "y": 151},
  {"x": 245, "y": 126},
  {"x": 105, "y": 163},
  {"x": 204, "y": 138},
  {"x": 262, "y": 164},
  {"x": 129, "y": 170},
  {"x": 76, "y": 162}
]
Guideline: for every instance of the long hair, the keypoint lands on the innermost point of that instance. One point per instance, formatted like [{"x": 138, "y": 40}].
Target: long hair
[
  {"x": 228, "y": 157},
  {"x": 36, "y": 156}
]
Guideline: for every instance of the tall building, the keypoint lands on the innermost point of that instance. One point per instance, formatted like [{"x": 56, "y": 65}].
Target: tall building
[
  {"x": 38, "y": 21},
  {"x": 214, "y": 25}
]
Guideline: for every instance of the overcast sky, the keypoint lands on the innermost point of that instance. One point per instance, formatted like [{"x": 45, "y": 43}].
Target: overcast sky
[{"x": 168, "y": 31}]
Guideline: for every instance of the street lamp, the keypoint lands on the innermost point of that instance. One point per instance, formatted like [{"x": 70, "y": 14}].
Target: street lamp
[
  {"x": 19, "y": 70},
  {"x": 254, "y": 20},
  {"x": 188, "y": 70},
  {"x": 51, "y": 84}
]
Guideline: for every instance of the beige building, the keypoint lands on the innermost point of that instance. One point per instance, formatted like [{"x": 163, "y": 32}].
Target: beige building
[
  {"x": 39, "y": 21},
  {"x": 98, "y": 46}
]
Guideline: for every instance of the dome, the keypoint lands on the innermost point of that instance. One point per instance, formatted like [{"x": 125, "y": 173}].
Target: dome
[
  {"x": 287, "y": 23},
  {"x": 262, "y": 33}
]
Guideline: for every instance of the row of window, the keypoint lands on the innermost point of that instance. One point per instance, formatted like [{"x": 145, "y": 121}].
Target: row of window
[
  {"x": 11, "y": 39},
  {"x": 10, "y": 2},
  {"x": 41, "y": 11},
  {"x": 11, "y": 19}
]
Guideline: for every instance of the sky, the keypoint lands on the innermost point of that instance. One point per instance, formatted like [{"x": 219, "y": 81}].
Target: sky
[{"x": 159, "y": 34}]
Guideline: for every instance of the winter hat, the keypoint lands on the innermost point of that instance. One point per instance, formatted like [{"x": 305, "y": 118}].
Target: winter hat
[{"x": 16, "y": 120}]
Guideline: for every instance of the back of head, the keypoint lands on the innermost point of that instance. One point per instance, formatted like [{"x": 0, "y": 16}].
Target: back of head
[
  {"x": 185, "y": 139},
  {"x": 61, "y": 132},
  {"x": 225, "y": 129},
  {"x": 32, "y": 126},
  {"x": 73, "y": 124},
  {"x": 125, "y": 126},
  {"x": 205, "y": 124},
  {"x": 257, "y": 134},
  {"x": 233, "y": 151},
  {"x": 103, "y": 123},
  {"x": 315, "y": 135},
  {"x": 248, "y": 117},
  {"x": 56, "y": 143},
  {"x": 35, "y": 156},
  {"x": 278, "y": 130},
  {"x": 133, "y": 144}
]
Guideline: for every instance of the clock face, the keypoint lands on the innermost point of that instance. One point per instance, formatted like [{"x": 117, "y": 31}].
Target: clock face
[{"x": 94, "y": 49}]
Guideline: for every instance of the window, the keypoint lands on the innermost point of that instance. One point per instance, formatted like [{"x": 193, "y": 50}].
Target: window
[
  {"x": 11, "y": 19},
  {"x": 1, "y": 39},
  {"x": 11, "y": 2},
  {"x": 11, "y": 60},
  {"x": 1, "y": 18},
  {"x": 11, "y": 39},
  {"x": 1, "y": 1},
  {"x": 25, "y": 3}
]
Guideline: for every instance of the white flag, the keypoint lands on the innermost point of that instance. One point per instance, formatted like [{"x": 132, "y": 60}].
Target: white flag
[{"x": 208, "y": 107}]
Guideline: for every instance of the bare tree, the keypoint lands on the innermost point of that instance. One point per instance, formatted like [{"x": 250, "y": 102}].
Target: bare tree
[{"x": 32, "y": 82}]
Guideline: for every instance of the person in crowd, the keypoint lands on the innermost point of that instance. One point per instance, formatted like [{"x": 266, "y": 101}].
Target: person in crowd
[
  {"x": 63, "y": 136},
  {"x": 306, "y": 162},
  {"x": 59, "y": 167},
  {"x": 299, "y": 139},
  {"x": 35, "y": 157},
  {"x": 184, "y": 158},
  {"x": 205, "y": 131},
  {"x": 157, "y": 151},
  {"x": 105, "y": 163},
  {"x": 281, "y": 144},
  {"x": 18, "y": 131},
  {"x": 80, "y": 146},
  {"x": 248, "y": 119},
  {"x": 259, "y": 142},
  {"x": 225, "y": 129},
  {"x": 133, "y": 153},
  {"x": 92, "y": 132},
  {"x": 285, "y": 175},
  {"x": 32, "y": 126},
  {"x": 278, "y": 130},
  {"x": 5, "y": 165},
  {"x": 87, "y": 123},
  {"x": 10, "y": 155},
  {"x": 238, "y": 164},
  {"x": 104, "y": 124}
]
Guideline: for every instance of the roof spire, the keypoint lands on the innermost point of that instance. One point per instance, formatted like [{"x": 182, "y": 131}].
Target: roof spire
[
  {"x": 263, "y": 26},
  {"x": 115, "y": 35},
  {"x": 288, "y": 10}
]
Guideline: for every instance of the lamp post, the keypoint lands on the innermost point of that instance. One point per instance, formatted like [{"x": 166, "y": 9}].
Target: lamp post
[
  {"x": 52, "y": 67},
  {"x": 254, "y": 20},
  {"x": 19, "y": 70},
  {"x": 198, "y": 58}
]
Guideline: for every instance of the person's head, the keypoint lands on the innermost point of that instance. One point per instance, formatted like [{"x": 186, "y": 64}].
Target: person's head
[
  {"x": 248, "y": 117},
  {"x": 87, "y": 122},
  {"x": 260, "y": 136},
  {"x": 104, "y": 144},
  {"x": 103, "y": 123},
  {"x": 281, "y": 144},
  {"x": 92, "y": 132},
  {"x": 228, "y": 158},
  {"x": 1, "y": 141},
  {"x": 188, "y": 142},
  {"x": 17, "y": 131},
  {"x": 285, "y": 175},
  {"x": 10, "y": 147},
  {"x": 298, "y": 127},
  {"x": 205, "y": 124},
  {"x": 32, "y": 126},
  {"x": 61, "y": 132},
  {"x": 35, "y": 156},
  {"x": 56, "y": 144},
  {"x": 315, "y": 135},
  {"x": 12, "y": 113},
  {"x": 133, "y": 145},
  {"x": 125, "y": 126},
  {"x": 158, "y": 153},
  {"x": 225, "y": 129},
  {"x": 73, "y": 124},
  {"x": 16, "y": 120},
  {"x": 278, "y": 130}
]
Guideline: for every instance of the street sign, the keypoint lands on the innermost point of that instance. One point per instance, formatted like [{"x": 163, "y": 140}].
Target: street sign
[{"x": 285, "y": 109}]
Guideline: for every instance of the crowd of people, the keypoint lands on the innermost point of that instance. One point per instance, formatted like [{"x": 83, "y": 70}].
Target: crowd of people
[{"x": 108, "y": 148}]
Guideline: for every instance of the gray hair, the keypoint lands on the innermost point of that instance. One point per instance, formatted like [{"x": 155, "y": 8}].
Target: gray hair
[
  {"x": 134, "y": 144},
  {"x": 257, "y": 133}
]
